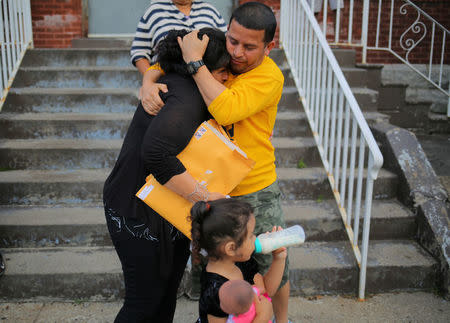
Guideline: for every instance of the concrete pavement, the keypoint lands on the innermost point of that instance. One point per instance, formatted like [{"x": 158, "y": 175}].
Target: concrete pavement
[{"x": 393, "y": 307}]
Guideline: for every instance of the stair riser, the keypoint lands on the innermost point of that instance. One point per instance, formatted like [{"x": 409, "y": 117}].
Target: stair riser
[
  {"x": 319, "y": 188},
  {"x": 15, "y": 236},
  {"x": 65, "y": 129},
  {"x": 58, "y": 158},
  {"x": 77, "y": 193},
  {"x": 63, "y": 58},
  {"x": 78, "y": 103},
  {"x": 332, "y": 281},
  {"x": 78, "y": 79},
  {"x": 345, "y": 280},
  {"x": 108, "y": 129},
  {"x": 69, "y": 193},
  {"x": 290, "y": 101},
  {"x": 98, "y": 286},
  {"x": 89, "y": 158},
  {"x": 19, "y": 236}
]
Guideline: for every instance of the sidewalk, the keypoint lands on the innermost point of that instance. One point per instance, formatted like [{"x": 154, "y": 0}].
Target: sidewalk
[{"x": 401, "y": 307}]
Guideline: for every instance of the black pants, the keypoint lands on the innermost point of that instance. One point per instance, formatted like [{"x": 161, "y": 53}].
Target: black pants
[{"x": 149, "y": 295}]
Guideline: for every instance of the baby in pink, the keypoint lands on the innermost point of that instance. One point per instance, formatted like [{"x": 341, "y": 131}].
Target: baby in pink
[{"x": 236, "y": 299}]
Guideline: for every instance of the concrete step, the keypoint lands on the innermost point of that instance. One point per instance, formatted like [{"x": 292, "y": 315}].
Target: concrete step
[
  {"x": 345, "y": 57},
  {"x": 316, "y": 268},
  {"x": 113, "y": 43},
  {"x": 71, "y": 100},
  {"x": 70, "y": 273},
  {"x": 356, "y": 77},
  {"x": 57, "y": 153},
  {"x": 366, "y": 98},
  {"x": 76, "y": 57},
  {"x": 322, "y": 221},
  {"x": 330, "y": 268},
  {"x": 64, "y": 125},
  {"x": 81, "y": 77},
  {"x": 93, "y": 153},
  {"x": 81, "y": 186},
  {"x": 29, "y": 227},
  {"x": 114, "y": 125},
  {"x": 88, "y": 153},
  {"x": 312, "y": 183}
]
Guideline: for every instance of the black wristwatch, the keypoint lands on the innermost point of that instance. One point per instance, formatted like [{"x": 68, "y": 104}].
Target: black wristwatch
[{"x": 192, "y": 67}]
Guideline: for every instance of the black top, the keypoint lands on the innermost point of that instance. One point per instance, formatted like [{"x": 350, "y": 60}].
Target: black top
[
  {"x": 209, "y": 302},
  {"x": 151, "y": 146}
]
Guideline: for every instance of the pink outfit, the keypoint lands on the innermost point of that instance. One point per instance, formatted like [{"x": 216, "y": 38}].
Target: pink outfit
[{"x": 250, "y": 315}]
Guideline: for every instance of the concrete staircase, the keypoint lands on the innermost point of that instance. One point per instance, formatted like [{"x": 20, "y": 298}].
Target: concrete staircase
[{"x": 60, "y": 132}]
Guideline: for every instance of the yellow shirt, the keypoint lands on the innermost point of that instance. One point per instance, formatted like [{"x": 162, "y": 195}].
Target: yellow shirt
[{"x": 248, "y": 108}]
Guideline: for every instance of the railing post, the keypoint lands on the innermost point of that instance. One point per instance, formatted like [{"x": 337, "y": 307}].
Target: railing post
[{"x": 364, "y": 31}]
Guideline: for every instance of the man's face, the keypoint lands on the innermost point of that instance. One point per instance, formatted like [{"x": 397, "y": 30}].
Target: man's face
[{"x": 246, "y": 47}]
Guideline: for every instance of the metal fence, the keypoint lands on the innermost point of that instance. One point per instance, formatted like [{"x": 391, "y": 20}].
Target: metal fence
[
  {"x": 346, "y": 145},
  {"x": 15, "y": 38},
  {"x": 419, "y": 33}
]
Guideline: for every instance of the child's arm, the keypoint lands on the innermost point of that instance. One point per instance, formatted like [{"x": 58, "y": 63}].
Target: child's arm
[
  {"x": 215, "y": 319},
  {"x": 272, "y": 278}
]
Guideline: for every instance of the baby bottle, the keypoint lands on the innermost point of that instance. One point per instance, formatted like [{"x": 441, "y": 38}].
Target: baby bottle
[{"x": 267, "y": 242}]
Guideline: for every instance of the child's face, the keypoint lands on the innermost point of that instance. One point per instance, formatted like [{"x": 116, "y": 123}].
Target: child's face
[{"x": 245, "y": 251}]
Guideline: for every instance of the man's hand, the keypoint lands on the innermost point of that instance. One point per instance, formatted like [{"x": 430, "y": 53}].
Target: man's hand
[{"x": 193, "y": 48}]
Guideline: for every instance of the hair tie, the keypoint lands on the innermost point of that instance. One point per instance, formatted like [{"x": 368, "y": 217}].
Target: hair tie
[{"x": 207, "y": 206}]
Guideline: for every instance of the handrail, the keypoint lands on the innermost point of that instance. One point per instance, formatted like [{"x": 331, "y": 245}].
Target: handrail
[
  {"x": 410, "y": 39},
  {"x": 16, "y": 37},
  {"x": 336, "y": 121}
]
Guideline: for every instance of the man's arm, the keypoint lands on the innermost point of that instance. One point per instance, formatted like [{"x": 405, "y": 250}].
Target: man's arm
[{"x": 193, "y": 50}]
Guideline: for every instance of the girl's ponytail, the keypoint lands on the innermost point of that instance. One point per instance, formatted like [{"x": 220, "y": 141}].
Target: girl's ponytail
[{"x": 199, "y": 212}]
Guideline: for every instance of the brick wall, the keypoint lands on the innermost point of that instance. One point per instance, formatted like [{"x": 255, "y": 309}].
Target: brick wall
[
  {"x": 438, "y": 9},
  {"x": 56, "y": 22}
]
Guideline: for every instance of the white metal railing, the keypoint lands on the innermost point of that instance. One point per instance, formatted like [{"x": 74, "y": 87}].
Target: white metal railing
[
  {"x": 336, "y": 120},
  {"x": 415, "y": 34},
  {"x": 15, "y": 38}
]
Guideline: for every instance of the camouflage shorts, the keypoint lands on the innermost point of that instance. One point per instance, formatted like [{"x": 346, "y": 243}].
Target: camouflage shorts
[{"x": 268, "y": 213}]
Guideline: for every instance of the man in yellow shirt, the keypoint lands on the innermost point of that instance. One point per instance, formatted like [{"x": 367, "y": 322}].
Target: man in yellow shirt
[{"x": 246, "y": 105}]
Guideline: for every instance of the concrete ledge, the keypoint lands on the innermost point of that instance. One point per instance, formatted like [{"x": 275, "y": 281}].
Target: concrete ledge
[{"x": 420, "y": 189}]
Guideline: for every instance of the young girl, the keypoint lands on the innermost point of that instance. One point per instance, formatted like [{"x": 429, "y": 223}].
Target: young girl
[{"x": 224, "y": 229}]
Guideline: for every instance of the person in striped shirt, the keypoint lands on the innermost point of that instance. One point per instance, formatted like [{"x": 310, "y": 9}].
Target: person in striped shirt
[{"x": 163, "y": 16}]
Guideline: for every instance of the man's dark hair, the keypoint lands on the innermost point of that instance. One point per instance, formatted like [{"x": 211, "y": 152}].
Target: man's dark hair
[
  {"x": 170, "y": 58},
  {"x": 256, "y": 16}
]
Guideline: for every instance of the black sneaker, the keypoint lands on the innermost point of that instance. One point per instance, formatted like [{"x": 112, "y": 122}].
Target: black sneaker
[{"x": 2, "y": 265}]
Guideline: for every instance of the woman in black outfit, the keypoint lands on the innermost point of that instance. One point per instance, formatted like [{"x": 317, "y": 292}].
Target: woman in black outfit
[{"x": 153, "y": 253}]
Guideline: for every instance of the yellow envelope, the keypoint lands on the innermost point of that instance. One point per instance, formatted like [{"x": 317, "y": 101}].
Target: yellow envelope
[{"x": 213, "y": 160}]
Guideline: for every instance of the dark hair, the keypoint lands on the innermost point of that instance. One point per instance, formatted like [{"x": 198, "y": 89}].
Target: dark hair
[
  {"x": 217, "y": 221},
  {"x": 256, "y": 16},
  {"x": 170, "y": 57}
]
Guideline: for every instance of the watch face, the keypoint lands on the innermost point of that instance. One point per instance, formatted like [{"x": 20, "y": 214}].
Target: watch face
[{"x": 192, "y": 67}]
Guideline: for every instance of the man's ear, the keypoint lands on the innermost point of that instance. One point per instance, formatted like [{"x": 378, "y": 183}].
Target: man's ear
[
  {"x": 230, "y": 248},
  {"x": 268, "y": 48}
]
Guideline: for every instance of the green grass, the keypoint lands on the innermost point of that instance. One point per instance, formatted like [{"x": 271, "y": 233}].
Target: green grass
[{"x": 301, "y": 164}]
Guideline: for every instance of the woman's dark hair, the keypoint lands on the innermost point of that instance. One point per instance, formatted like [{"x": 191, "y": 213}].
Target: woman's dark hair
[
  {"x": 256, "y": 16},
  {"x": 170, "y": 57},
  {"x": 217, "y": 221}
]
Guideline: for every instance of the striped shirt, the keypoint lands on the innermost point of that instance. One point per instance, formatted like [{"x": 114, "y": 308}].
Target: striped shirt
[{"x": 163, "y": 16}]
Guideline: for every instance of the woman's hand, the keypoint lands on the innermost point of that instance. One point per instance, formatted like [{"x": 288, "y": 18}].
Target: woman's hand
[{"x": 149, "y": 92}]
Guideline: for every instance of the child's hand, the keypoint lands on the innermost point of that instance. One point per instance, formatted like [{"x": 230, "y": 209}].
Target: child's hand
[
  {"x": 258, "y": 279},
  {"x": 263, "y": 309},
  {"x": 280, "y": 253}
]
